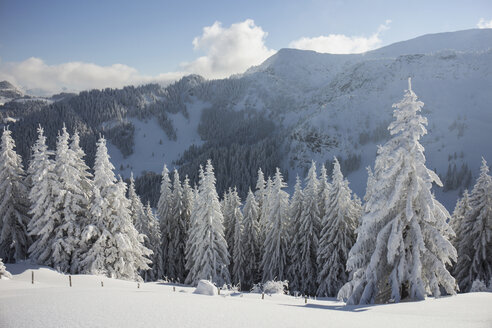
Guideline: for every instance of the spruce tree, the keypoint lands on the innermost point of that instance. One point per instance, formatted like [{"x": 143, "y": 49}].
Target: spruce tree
[
  {"x": 180, "y": 222},
  {"x": 164, "y": 214},
  {"x": 146, "y": 224},
  {"x": 238, "y": 253},
  {"x": 14, "y": 203},
  {"x": 42, "y": 197},
  {"x": 71, "y": 206},
  {"x": 117, "y": 248},
  {"x": 251, "y": 242},
  {"x": 308, "y": 234},
  {"x": 207, "y": 256},
  {"x": 82, "y": 178},
  {"x": 337, "y": 235},
  {"x": 402, "y": 246},
  {"x": 274, "y": 261},
  {"x": 475, "y": 235},
  {"x": 296, "y": 209}
]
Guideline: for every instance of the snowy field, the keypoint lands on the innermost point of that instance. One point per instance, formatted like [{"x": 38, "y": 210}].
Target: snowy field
[{"x": 50, "y": 302}]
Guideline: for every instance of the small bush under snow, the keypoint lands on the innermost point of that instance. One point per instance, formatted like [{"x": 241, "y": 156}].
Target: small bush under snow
[
  {"x": 205, "y": 287},
  {"x": 271, "y": 287}
]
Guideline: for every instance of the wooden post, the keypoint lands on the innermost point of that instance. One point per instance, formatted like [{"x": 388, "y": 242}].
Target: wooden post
[
  {"x": 262, "y": 296},
  {"x": 102, "y": 283},
  {"x": 70, "y": 280},
  {"x": 138, "y": 285},
  {"x": 174, "y": 288},
  {"x": 305, "y": 299},
  {"x": 218, "y": 290},
  {"x": 32, "y": 277}
]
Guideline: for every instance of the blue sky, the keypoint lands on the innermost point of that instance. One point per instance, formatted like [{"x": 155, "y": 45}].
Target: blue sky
[{"x": 112, "y": 43}]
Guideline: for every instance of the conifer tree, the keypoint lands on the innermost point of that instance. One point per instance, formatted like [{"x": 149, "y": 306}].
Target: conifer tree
[
  {"x": 14, "y": 203},
  {"x": 460, "y": 210},
  {"x": 82, "y": 178},
  {"x": 296, "y": 209},
  {"x": 147, "y": 225},
  {"x": 117, "y": 249},
  {"x": 164, "y": 214},
  {"x": 180, "y": 215},
  {"x": 3, "y": 271},
  {"x": 337, "y": 235},
  {"x": 71, "y": 206},
  {"x": 238, "y": 253},
  {"x": 274, "y": 261},
  {"x": 402, "y": 246},
  {"x": 231, "y": 212},
  {"x": 475, "y": 235},
  {"x": 207, "y": 256},
  {"x": 42, "y": 196},
  {"x": 250, "y": 241}
]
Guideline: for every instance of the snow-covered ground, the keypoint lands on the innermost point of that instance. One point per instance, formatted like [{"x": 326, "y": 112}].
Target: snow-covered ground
[{"x": 50, "y": 302}]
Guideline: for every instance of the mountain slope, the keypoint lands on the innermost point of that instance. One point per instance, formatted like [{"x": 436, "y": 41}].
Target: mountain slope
[{"x": 296, "y": 106}]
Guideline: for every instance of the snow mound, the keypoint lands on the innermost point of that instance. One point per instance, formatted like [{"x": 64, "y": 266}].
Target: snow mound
[
  {"x": 205, "y": 287},
  {"x": 4, "y": 274}
]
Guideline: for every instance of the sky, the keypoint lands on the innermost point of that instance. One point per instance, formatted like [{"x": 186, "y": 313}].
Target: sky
[{"x": 49, "y": 46}]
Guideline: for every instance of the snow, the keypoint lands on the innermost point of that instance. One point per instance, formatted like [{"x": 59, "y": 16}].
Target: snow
[
  {"x": 205, "y": 287},
  {"x": 149, "y": 153},
  {"x": 50, "y": 302}
]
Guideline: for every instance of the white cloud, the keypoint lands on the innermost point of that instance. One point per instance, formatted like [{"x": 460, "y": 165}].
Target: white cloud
[
  {"x": 226, "y": 51},
  {"x": 340, "y": 43},
  {"x": 34, "y": 73},
  {"x": 482, "y": 23},
  {"x": 229, "y": 50}
]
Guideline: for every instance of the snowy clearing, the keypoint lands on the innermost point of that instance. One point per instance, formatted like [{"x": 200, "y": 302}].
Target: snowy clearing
[{"x": 50, "y": 302}]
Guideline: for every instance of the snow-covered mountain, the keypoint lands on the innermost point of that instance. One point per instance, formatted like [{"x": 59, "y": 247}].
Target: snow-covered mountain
[
  {"x": 297, "y": 106},
  {"x": 8, "y": 92}
]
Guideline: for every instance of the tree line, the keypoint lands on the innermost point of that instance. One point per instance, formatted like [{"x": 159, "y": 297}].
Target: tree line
[{"x": 400, "y": 243}]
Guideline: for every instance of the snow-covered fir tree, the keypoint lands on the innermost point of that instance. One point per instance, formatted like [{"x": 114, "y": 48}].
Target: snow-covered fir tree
[
  {"x": 71, "y": 206},
  {"x": 152, "y": 240},
  {"x": 227, "y": 208},
  {"x": 146, "y": 224},
  {"x": 180, "y": 222},
  {"x": 337, "y": 235},
  {"x": 14, "y": 203},
  {"x": 307, "y": 236},
  {"x": 475, "y": 235},
  {"x": 164, "y": 214},
  {"x": 403, "y": 245},
  {"x": 42, "y": 195},
  {"x": 238, "y": 253},
  {"x": 274, "y": 261},
  {"x": 83, "y": 179},
  {"x": 232, "y": 213},
  {"x": 251, "y": 242},
  {"x": 260, "y": 195},
  {"x": 207, "y": 256},
  {"x": 264, "y": 211},
  {"x": 295, "y": 213},
  {"x": 461, "y": 208},
  {"x": 117, "y": 249}
]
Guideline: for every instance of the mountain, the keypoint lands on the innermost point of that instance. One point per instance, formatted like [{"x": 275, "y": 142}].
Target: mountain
[
  {"x": 8, "y": 92},
  {"x": 296, "y": 106}
]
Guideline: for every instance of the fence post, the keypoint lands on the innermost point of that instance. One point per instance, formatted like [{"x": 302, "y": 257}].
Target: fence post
[
  {"x": 262, "y": 296},
  {"x": 102, "y": 283},
  {"x": 32, "y": 277},
  {"x": 305, "y": 299},
  {"x": 174, "y": 288},
  {"x": 70, "y": 280}
]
